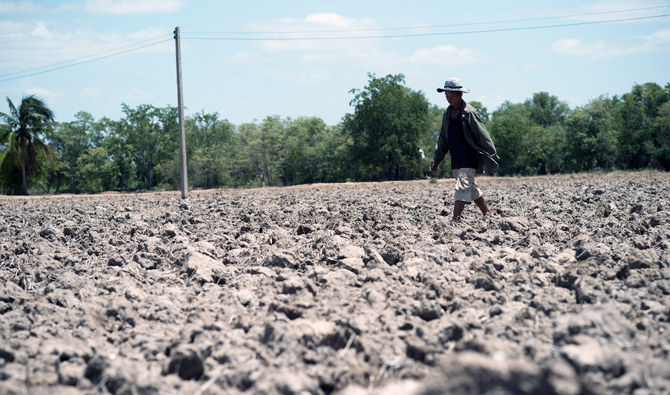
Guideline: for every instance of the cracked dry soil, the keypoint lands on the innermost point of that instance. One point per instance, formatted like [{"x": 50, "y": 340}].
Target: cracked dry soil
[{"x": 346, "y": 288}]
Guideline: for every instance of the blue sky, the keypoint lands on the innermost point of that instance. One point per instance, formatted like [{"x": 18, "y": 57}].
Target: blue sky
[{"x": 247, "y": 60}]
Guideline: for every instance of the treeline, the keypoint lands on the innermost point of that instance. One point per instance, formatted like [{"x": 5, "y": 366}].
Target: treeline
[{"x": 390, "y": 135}]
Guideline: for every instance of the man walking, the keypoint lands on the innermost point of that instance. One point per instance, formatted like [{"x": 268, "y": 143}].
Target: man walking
[{"x": 464, "y": 135}]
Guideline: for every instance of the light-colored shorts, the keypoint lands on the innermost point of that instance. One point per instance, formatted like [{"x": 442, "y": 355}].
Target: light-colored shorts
[{"x": 466, "y": 189}]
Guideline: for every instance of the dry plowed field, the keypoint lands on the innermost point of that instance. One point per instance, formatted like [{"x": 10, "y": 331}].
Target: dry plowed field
[{"x": 346, "y": 288}]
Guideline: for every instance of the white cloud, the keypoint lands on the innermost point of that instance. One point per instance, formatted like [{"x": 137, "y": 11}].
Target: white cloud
[
  {"x": 447, "y": 55},
  {"x": 656, "y": 42},
  {"x": 33, "y": 45},
  {"x": 530, "y": 66},
  {"x": 44, "y": 94},
  {"x": 576, "y": 47},
  {"x": 41, "y": 31},
  {"x": 367, "y": 56},
  {"x": 241, "y": 57},
  {"x": 519, "y": 67},
  {"x": 616, "y": 9},
  {"x": 122, "y": 7},
  {"x": 10, "y": 30},
  {"x": 316, "y": 33},
  {"x": 91, "y": 92},
  {"x": 330, "y": 19},
  {"x": 136, "y": 95},
  {"x": 313, "y": 23},
  {"x": 11, "y": 7},
  {"x": 332, "y": 38},
  {"x": 309, "y": 77}
]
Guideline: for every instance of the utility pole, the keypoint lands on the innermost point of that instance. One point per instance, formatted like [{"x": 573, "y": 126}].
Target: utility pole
[{"x": 182, "y": 136}]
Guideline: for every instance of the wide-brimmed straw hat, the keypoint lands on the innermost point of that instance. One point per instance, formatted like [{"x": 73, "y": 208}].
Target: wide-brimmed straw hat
[{"x": 453, "y": 85}]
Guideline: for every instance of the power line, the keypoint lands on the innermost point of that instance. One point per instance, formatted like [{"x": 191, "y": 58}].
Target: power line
[
  {"x": 78, "y": 61},
  {"x": 82, "y": 57},
  {"x": 120, "y": 50},
  {"x": 496, "y": 30},
  {"x": 438, "y": 26}
]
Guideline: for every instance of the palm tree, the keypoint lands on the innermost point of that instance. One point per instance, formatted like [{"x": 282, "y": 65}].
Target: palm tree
[{"x": 20, "y": 139}]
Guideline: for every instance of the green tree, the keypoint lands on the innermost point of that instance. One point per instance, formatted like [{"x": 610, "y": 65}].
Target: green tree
[
  {"x": 635, "y": 115},
  {"x": 386, "y": 127},
  {"x": 429, "y": 140},
  {"x": 556, "y": 155},
  {"x": 332, "y": 149},
  {"x": 549, "y": 113},
  {"x": 546, "y": 109},
  {"x": 95, "y": 170},
  {"x": 590, "y": 136},
  {"x": 509, "y": 126},
  {"x": 481, "y": 109},
  {"x": 530, "y": 137},
  {"x": 264, "y": 149},
  {"x": 209, "y": 150},
  {"x": 152, "y": 135},
  {"x": 257, "y": 152},
  {"x": 243, "y": 169},
  {"x": 120, "y": 151},
  {"x": 299, "y": 160},
  {"x": 70, "y": 141},
  {"x": 3, "y": 153},
  {"x": 661, "y": 126},
  {"x": 22, "y": 140}
]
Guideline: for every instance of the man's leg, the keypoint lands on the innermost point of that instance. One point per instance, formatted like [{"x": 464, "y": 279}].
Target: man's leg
[
  {"x": 459, "y": 205},
  {"x": 481, "y": 203}
]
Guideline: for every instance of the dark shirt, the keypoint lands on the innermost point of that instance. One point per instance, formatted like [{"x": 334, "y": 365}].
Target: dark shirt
[{"x": 462, "y": 155}]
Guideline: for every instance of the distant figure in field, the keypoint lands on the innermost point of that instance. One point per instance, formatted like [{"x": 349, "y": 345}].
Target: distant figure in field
[{"x": 464, "y": 135}]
